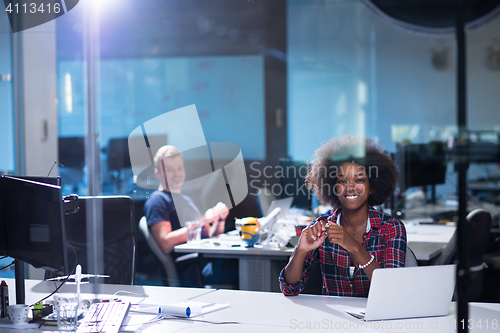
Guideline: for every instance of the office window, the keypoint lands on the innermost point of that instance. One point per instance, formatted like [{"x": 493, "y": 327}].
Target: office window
[
  {"x": 277, "y": 78},
  {"x": 351, "y": 72},
  {"x": 226, "y": 86}
]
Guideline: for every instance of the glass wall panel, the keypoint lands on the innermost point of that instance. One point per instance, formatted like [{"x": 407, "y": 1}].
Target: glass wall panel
[
  {"x": 7, "y": 162},
  {"x": 278, "y": 79},
  {"x": 350, "y": 71}
]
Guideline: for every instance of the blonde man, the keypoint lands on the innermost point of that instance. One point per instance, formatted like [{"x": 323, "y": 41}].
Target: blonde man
[{"x": 166, "y": 219}]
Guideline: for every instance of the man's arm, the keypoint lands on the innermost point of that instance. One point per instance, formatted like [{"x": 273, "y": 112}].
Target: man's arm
[
  {"x": 165, "y": 237},
  {"x": 214, "y": 219}
]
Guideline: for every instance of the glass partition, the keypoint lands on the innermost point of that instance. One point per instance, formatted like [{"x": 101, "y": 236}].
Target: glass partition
[
  {"x": 277, "y": 79},
  {"x": 7, "y": 131}
]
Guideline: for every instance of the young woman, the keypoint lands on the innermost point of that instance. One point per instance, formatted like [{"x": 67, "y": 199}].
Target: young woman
[{"x": 352, "y": 175}]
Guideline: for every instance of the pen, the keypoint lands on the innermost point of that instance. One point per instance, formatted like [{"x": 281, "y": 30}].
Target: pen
[{"x": 326, "y": 226}]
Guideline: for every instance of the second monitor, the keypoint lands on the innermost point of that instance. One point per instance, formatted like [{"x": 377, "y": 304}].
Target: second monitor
[{"x": 32, "y": 223}]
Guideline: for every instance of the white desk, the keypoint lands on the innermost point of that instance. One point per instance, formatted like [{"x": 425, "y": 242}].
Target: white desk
[
  {"x": 272, "y": 312},
  {"x": 427, "y": 210},
  {"x": 36, "y": 290},
  {"x": 427, "y": 241},
  {"x": 255, "y": 269}
]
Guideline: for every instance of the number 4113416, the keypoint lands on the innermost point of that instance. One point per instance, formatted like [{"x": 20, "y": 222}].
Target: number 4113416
[
  {"x": 33, "y": 8},
  {"x": 472, "y": 324}
]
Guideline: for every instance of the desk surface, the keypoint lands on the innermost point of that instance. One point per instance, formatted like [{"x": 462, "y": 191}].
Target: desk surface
[
  {"x": 427, "y": 241},
  {"x": 281, "y": 313},
  {"x": 424, "y": 211},
  {"x": 36, "y": 290},
  {"x": 273, "y": 312},
  {"x": 231, "y": 246},
  {"x": 429, "y": 233}
]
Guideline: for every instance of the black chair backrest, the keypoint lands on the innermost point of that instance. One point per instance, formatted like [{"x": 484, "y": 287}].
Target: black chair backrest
[
  {"x": 450, "y": 252},
  {"x": 478, "y": 229},
  {"x": 479, "y": 225},
  {"x": 119, "y": 238}
]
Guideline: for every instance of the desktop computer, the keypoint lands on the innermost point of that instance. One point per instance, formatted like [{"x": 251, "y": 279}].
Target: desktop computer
[
  {"x": 31, "y": 226},
  {"x": 293, "y": 183},
  {"x": 422, "y": 165}
]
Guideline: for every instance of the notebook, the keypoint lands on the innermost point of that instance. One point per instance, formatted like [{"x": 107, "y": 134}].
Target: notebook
[
  {"x": 411, "y": 292},
  {"x": 284, "y": 204}
]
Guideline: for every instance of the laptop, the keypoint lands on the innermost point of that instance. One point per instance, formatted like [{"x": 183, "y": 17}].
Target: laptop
[
  {"x": 411, "y": 292},
  {"x": 284, "y": 204}
]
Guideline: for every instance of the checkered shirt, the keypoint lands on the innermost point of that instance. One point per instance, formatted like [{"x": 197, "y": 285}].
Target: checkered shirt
[{"x": 386, "y": 241}]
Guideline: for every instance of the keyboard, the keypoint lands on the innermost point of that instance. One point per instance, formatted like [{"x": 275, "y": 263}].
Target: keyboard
[{"x": 104, "y": 317}]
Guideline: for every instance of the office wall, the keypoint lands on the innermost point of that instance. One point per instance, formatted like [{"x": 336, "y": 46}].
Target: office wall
[
  {"x": 40, "y": 98},
  {"x": 228, "y": 92},
  {"x": 350, "y": 73}
]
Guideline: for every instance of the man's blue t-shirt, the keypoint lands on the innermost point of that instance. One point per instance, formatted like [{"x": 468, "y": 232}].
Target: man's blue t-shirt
[{"x": 172, "y": 207}]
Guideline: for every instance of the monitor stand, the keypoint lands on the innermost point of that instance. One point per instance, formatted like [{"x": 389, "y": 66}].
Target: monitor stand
[
  {"x": 432, "y": 199},
  {"x": 20, "y": 287},
  {"x": 433, "y": 194}
]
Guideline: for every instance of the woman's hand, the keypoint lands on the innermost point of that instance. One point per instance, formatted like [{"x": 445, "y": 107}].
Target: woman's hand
[
  {"x": 312, "y": 237},
  {"x": 338, "y": 235}
]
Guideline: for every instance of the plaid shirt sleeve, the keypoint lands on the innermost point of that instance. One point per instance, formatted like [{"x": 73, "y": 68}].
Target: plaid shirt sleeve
[
  {"x": 296, "y": 288},
  {"x": 395, "y": 252}
]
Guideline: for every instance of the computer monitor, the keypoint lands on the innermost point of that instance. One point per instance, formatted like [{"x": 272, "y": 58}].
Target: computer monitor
[
  {"x": 482, "y": 147},
  {"x": 41, "y": 179},
  {"x": 293, "y": 183},
  {"x": 422, "y": 164},
  {"x": 118, "y": 155},
  {"x": 32, "y": 228},
  {"x": 72, "y": 152}
]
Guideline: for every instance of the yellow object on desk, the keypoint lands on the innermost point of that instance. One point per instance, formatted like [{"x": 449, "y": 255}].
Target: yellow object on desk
[{"x": 249, "y": 230}]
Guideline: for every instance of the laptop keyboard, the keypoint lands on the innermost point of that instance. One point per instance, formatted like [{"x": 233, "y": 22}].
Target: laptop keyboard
[{"x": 104, "y": 317}]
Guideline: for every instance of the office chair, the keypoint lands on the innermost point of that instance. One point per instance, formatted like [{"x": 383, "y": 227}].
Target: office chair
[
  {"x": 118, "y": 238},
  {"x": 167, "y": 263},
  {"x": 410, "y": 258},
  {"x": 479, "y": 225}
]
